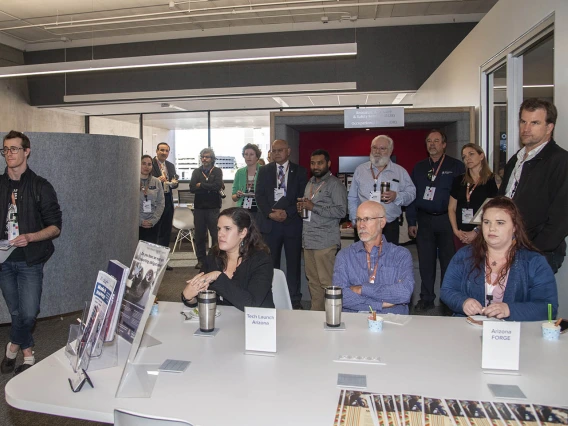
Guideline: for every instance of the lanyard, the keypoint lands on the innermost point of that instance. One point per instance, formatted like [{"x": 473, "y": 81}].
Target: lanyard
[
  {"x": 372, "y": 275},
  {"x": 206, "y": 176},
  {"x": 144, "y": 187},
  {"x": 312, "y": 192},
  {"x": 283, "y": 178},
  {"x": 438, "y": 169},
  {"x": 376, "y": 178},
  {"x": 468, "y": 192}
]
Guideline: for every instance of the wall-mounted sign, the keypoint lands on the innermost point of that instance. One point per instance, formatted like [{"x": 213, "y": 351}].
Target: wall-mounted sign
[{"x": 373, "y": 117}]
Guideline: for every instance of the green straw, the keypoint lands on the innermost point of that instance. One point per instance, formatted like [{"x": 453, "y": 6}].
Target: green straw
[
  {"x": 371, "y": 309},
  {"x": 550, "y": 312}
]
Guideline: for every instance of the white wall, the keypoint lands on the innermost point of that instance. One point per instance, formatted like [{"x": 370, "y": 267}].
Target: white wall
[{"x": 456, "y": 81}]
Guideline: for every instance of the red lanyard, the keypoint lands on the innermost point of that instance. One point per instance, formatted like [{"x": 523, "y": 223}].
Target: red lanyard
[
  {"x": 373, "y": 275},
  {"x": 468, "y": 192},
  {"x": 206, "y": 176},
  {"x": 376, "y": 178},
  {"x": 438, "y": 169}
]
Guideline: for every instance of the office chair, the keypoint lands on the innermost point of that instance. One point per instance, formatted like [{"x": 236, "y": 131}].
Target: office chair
[{"x": 280, "y": 292}]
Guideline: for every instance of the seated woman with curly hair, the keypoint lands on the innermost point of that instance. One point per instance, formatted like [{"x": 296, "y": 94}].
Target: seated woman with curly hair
[
  {"x": 500, "y": 274},
  {"x": 239, "y": 268}
]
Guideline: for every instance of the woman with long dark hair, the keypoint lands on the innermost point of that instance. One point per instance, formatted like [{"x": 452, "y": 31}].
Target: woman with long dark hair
[
  {"x": 239, "y": 268},
  {"x": 500, "y": 274},
  {"x": 469, "y": 191},
  {"x": 152, "y": 202}
]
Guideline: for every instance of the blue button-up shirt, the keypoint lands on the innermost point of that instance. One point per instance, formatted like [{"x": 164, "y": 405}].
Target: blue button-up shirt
[
  {"x": 363, "y": 184},
  {"x": 394, "y": 282}
]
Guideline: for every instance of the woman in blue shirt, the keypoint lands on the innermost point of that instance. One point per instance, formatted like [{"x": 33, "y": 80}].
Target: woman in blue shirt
[{"x": 500, "y": 274}]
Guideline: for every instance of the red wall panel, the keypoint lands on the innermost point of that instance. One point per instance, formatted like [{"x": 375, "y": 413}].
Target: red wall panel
[{"x": 409, "y": 145}]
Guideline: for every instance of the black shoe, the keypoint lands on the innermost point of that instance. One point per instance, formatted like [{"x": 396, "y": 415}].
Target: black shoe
[
  {"x": 7, "y": 365},
  {"x": 297, "y": 306},
  {"x": 199, "y": 265},
  {"x": 446, "y": 311},
  {"x": 422, "y": 305},
  {"x": 169, "y": 268},
  {"x": 21, "y": 368}
]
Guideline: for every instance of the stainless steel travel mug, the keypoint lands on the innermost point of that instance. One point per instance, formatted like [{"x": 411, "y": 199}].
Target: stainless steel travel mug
[
  {"x": 207, "y": 303},
  {"x": 333, "y": 306}
]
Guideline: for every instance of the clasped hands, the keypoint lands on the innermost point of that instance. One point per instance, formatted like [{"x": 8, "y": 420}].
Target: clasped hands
[
  {"x": 146, "y": 224},
  {"x": 199, "y": 283},
  {"x": 278, "y": 215},
  {"x": 497, "y": 310},
  {"x": 465, "y": 237}
]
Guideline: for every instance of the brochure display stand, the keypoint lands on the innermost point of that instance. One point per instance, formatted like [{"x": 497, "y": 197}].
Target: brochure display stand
[{"x": 150, "y": 260}]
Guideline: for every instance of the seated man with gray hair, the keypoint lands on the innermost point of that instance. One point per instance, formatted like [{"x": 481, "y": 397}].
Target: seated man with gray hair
[
  {"x": 373, "y": 272},
  {"x": 206, "y": 182}
]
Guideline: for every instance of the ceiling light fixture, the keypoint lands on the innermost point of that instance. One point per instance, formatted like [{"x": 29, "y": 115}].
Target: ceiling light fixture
[
  {"x": 198, "y": 58},
  {"x": 399, "y": 98},
  {"x": 280, "y": 102}
]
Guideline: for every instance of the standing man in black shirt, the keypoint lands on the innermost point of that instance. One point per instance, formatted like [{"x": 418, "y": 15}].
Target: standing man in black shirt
[
  {"x": 433, "y": 179},
  {"x": 206, "y": 182},
  {"x": 166, "y": 173},
  {"x": 32, "y": 219},
  {"x": 536, "y": 178}
]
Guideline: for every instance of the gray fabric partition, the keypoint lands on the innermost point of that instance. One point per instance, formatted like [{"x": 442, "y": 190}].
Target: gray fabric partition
[{"x": 96, "y": 178}]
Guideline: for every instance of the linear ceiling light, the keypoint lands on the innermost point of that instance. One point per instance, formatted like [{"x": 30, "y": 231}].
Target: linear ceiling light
[
  {"x": 198, "y": 58},
  {"x": 399, "y": 98}
]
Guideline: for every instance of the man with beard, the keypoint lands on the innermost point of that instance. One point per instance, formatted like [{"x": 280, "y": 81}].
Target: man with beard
[
  {"x": 325, "y": 200},
  {"x": 433, "y": 178},
  {"x": 367, "y": 181},
  {"x": 373, "y": 272}
]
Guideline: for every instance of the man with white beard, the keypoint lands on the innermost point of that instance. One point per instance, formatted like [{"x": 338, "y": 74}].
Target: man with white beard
[{"x": 367, "y": 181}]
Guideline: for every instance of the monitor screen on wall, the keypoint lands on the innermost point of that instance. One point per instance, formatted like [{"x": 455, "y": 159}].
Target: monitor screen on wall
[{"x": 349, "y": 164}]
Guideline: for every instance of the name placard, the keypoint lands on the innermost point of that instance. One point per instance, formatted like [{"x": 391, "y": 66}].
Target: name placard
[
  {"x": 260, "y": 329},
  {"x": 373, "y": 117},
  {"x": 501, "y": 342}
]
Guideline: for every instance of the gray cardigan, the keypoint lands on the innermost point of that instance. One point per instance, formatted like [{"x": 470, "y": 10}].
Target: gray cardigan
[{"x": 156, "y": 197}]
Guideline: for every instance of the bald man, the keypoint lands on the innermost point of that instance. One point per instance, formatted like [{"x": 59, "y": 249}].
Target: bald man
[
  {"x": 278, "y": 186},
  {"x": 372, "y": 271}
]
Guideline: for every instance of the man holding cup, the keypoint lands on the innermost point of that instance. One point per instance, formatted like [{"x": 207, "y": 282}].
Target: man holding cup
[
  {"x": 374, "y": 272},
  {"x": 323, "y": 206},
  {"x": 382, "y": 181}
]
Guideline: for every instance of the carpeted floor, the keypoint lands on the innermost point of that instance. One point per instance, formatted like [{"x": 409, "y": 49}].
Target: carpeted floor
[{"x": 51, "y": 335}]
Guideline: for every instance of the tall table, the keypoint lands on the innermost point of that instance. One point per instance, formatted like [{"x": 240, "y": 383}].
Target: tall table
[{"x": 431, "y": 356}]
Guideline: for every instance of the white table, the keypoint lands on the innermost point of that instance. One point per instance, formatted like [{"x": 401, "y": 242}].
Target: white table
[{"x": 430, "y": 356}]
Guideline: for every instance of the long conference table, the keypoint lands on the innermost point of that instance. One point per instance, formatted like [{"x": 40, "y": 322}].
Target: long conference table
[{"x": 430, "y": 356}]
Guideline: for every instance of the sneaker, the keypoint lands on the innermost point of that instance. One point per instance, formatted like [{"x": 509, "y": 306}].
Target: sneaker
[
  {"x": 423, "y": 305},
  {"x": 297, "y": 306},
  {"x": 7, "y": 365},
  {"x": 169, "y": 268},
  {"x": 21, "y": 368}
]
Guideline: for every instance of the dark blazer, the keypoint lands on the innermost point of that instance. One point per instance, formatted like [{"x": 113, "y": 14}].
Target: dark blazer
[
  {"x": 530, "y": 287},
  {"x": 251, "y": 284},
  {"x": 266, "y": 183},
  {"x": 542, "y": 195},
  {"x": 157, "y": 172}
]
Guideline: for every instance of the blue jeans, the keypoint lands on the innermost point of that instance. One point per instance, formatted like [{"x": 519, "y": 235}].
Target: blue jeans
[{"x": 21, "y": 286}]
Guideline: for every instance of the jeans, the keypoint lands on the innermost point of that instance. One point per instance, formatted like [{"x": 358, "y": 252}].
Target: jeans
[{"x": 21, "y": 287}]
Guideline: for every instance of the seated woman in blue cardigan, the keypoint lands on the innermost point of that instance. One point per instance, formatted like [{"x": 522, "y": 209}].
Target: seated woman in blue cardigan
[
  {"x": 239, "y": 267},
  {"x": 500, "y": 274}
]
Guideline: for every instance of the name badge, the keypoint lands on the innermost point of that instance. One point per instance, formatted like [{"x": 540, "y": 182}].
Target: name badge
[
  {"x": 247, "y": 203},
  {"x": 467, "y": 215},
  {"x": 375, "y": 196},
  {"x": 309, "y": 216},
  {"x": 147, "y": 206},
  {"x": 278, "y": 193},
  {"x": 429, "y": 193}
]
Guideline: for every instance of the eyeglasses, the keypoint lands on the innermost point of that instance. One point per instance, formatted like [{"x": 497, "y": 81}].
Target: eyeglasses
[
  {"x": 366, "y": 219},
  {"x": 12, "y": 149},
  {"x": 206, "y": 157}
]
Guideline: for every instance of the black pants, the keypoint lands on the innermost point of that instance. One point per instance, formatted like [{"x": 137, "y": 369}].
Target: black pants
[
  {"x": 292, "y": 242},
  {"x": 391, "y": 232},
  {"x": 148, "y": 234},
  {"x": 204, "y": 219},
  {"x": 434, "y": 240},
  {"x": 164, "y": 225}
]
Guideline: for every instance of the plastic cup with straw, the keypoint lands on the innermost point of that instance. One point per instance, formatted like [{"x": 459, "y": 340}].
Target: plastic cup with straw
[{"x": 374, "y": 313}]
